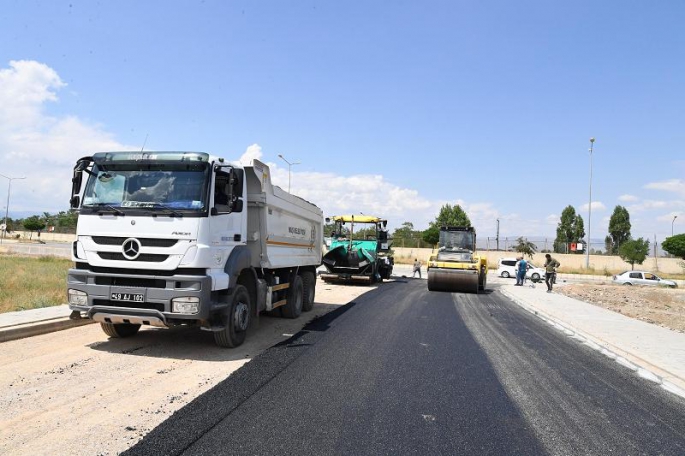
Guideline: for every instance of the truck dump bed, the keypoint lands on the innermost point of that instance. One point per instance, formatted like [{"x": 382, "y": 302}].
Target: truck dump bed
[{"x": 283, "y": 230}]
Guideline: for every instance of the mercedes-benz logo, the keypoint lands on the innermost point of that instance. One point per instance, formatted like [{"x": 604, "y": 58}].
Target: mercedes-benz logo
[{"x": 131, "y": 248}]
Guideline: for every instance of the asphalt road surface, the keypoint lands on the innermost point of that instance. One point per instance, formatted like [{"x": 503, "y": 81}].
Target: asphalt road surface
[{"x": 405, "y": 371}]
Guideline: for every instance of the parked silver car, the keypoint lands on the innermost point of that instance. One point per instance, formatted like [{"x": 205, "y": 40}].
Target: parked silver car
[{"x": 643, "y": 278}]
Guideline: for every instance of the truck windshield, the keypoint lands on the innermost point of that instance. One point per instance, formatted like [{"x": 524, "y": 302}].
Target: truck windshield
[
  {"x": 456, "y": 240},
  {"x": 154, "y": 188}
]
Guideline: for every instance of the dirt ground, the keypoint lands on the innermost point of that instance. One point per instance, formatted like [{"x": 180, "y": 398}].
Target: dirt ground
[
  {"x": 660, "y": 306},
  {"x": 77, "y": 392}
]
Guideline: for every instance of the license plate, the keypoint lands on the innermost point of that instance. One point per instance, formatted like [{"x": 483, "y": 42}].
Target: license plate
[{"x": 131, "y": 297}]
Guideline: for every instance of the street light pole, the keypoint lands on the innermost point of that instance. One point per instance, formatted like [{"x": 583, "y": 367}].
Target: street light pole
[
  {"x": 7, "y": 209},
  {"x": 589, "y": 211},
  {"x": 672, "y": 222},
  {"x": 497, "y": 238},
  {"x": 289, "y": 165}
]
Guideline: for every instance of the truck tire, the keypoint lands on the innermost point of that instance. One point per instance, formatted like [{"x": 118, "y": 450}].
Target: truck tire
[
  {"x": 293, "y": 306},
  {"x": 237, "y": 320},
  {"x": 309, "y": 290},
  {"x": 119, "y": 330}
]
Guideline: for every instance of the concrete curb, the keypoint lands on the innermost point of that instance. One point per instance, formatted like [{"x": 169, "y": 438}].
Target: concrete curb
[
  {"x": 37, "y": 328},
  {"x": 641, "y": 367}
]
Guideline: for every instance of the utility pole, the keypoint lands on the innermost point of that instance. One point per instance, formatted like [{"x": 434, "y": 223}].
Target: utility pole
[
  {"x": 589, "y": 213},
  {"x": 497, "y": 238},
  {"x": 7, "y": 209}
]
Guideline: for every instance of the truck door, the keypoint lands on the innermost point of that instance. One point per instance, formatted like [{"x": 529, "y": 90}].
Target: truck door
[{"x": 228, "y": 220}]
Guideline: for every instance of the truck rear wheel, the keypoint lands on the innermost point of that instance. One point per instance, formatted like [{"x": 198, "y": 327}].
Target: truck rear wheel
[
  {"x": 309, "y": 290},
  {"x": 119, "y": 330},
  {"x": 237, "y": 320},
  {"x": 293, "y": 306}
]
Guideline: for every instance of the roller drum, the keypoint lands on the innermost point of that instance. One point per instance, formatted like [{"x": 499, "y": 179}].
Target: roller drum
[{"x": 453, "y": 280}]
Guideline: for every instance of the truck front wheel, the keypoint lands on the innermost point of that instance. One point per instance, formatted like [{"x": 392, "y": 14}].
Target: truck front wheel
[
  {"x": 118, "y": 330},
  {"x": 293, "y": 306},
  {"x": 237, "y": 320}
]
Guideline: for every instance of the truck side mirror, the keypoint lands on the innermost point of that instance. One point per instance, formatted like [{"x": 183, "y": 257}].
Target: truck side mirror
[{"x": 77, "y": 180}]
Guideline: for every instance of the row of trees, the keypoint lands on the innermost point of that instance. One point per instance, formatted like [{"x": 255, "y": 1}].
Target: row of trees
[
  {"x": 618, "y": 241},
  {"x": 571, "y": 230},
  {"x": 64, "y": 222}
]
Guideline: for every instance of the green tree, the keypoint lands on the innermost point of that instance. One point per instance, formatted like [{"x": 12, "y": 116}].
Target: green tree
[
  {"x": 608, "y": 244},
  {"x": 449, "y": 216},
  {"x": 569, "y": 229},
  {"x": 634, "y": 251},
  {"x": 525, "y": 247},
  {"x": 452, "y": 216},
  {"x": 619, "y": 228},
  {"x": 675, "y": 245},
  {"x": 432, "y": 235},
  {"x": 579, "y": 230},
  {"x": 33, "y": 223},
  {"x": 328, "y": 229},
  {"x": 406, "y": 236}
]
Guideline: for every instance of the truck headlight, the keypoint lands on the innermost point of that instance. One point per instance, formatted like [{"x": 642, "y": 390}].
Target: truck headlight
[
  {"x": 186, "y": 305},
  {"x": 77, "y": 297}
]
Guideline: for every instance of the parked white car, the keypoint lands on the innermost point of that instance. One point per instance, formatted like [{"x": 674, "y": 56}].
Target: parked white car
[
  {"x": 643, "y": 278},
  {"x": 507, "y": 268}
]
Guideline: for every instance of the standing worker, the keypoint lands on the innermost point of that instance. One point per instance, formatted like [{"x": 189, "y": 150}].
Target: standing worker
[
  {"x": 417, "y": 268},
  {"x": 551, "y": 266},
  {"x": 521, "y": 269}
]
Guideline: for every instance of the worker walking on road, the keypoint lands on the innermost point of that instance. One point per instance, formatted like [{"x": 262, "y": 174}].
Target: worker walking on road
[
  {"x": 551, "y": 266},
  {"x": 417, "y": 268}
]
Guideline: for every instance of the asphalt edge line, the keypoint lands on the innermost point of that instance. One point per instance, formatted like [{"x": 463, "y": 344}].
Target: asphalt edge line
[{"x": 607, "y": 350}]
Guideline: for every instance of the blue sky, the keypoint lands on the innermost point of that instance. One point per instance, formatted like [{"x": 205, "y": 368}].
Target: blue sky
[{"x": 392, "y": 108}]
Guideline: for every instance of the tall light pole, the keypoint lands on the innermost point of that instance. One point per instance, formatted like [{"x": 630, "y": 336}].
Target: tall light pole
[
  {"x": 7, "y": 209},
  {"x": 589, "y": 212},
  {"x": 497, "y": 238},
  {"x": 289, "y": 166},
  {"x": 672, "y": 222}
]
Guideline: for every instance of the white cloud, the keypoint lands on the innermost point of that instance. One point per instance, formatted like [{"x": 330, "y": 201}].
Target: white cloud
[
  {"x": 38, "y": 146},
  {"x": 647, "y": 205},
  {"x": 253, "y": 152},
  {"x": 596, "y": 206},
  {"x": 628, "y": 198},
  {"x": 673, "y": 185}
]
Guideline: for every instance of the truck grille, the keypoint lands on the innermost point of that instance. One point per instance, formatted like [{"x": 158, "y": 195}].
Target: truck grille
[
  {"x": 147, "y": 257},
  {"x": 141, "y": 272},
  {"x": 144, "y": 242},
  {"x": 129, "y": 305},
  {"x": 131, "y": 282}
]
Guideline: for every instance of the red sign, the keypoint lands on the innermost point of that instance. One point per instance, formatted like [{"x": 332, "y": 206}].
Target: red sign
[{"x": 573, "y": 246}]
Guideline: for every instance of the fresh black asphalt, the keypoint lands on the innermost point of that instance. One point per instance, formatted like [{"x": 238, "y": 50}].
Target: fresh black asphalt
[{"x": 405, "y": 371}]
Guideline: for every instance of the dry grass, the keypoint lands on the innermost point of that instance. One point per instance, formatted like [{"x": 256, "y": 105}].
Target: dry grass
[{"x": 32, "y": 282}]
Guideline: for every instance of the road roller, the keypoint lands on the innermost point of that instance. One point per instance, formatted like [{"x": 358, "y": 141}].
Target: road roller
[{"x": 455, "y": 266}]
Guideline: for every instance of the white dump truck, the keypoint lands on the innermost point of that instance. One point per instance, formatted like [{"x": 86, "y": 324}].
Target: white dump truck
[{"x": 186, "y": 238}]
